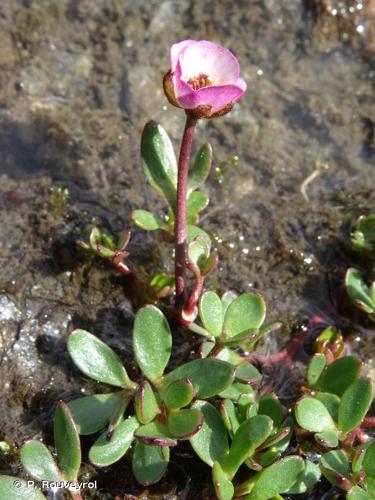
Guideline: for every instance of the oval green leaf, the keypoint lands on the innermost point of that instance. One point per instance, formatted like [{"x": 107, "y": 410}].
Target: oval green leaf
[
  {"x": 197, "y": 202},
  {"x": 315, "y": 368},
  {"x": 149, "y": 463},
  {"x": 155, "y": 433},
  {"x": 146, "y": 404},
  {"x": 339, "y": 375},
  {"x": 96, "y": 360},
  {"x": 92, "y": 413},
  {"x": 67, "y": 444},
  {"x": 106, "y": 451},
  {"x": 313, "y": 416},
  {"x": 223, "y": 486},
  {"x": 152, "y": 342},
  {"x": 211, "y": 313},
  {"x": 178, "y": 394},
  {"x": 354, "y": 405},
  {"x": 244, "y": 315},
  {"x": 358, "y": 291},
  {"x": 146, "y": 220},
  {"x": 183, "y": 424},
  {"x": 277, "y": 478},
  {"x": 13, "y": 488},
  {"x": 211, "y": 442},
  {"x": 250, "y": 434},
  {"x": 368, "y": 464},
  {"x": 201, "y": 167},
  {"x": 38, "y": 462},
  {"x": 331, "y": 402},
  {"x": 306, "y": 480},
  {"x": 159, "y": 161},
  {"x": 210, "y": 376}
]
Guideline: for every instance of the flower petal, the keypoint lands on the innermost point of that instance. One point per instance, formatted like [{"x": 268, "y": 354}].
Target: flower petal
[
  {"x": 210, "y": 59},
  {"x": 214, "y": 96},
  {"x": 176, "y": 50}
]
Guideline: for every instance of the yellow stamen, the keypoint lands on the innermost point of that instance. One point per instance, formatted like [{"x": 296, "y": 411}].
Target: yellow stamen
[{"x": 200, "y": 81}]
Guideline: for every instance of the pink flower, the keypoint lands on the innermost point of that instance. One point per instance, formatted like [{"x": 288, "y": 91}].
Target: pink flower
[{"x": 203, "y": 79}]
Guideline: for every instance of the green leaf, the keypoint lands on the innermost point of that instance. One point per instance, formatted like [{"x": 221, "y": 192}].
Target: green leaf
[
  {"x": 227, "y": 298},
  {"x": 183, "y": 424},
  {"x": 369, "y": 483},
  {"x": 271, "y": 454},
  {"x": 106, "y": 451},
  {"x": 245, "y": 405},
  {"x": 223, "y": 486},
  {"x": 149, "y": 463},
  {"x": 67, "y": 444},
  {"x": 229, "y": 415},
  {"x": 357, "y": 460},
  {"x": 335, "y": 460},
  {"x": 200, "y": 169},
  {"x": 358, "y": 291},
  {"x": 198, "y": 252},
  {"x": 13, "y": 488},
  {"x": 178, "y": 394},
  {"x": 369, "y": 461},
  {"x": 96, "y": 360},
  {"x": 152, "y": 342},
  {"x": 313, "y": 416},
  {"x": 146, "y": 404},
  {"x": 306, "y": 480},
  {"x": 230, "y": 356},
  {"x": 271, "y": 406},
  {"x": 244, "y": 315},
  {"x": 92, "y": 413},
  {"x": 211, "y": 442},
  {"x": 363, "y": 237},
  {"x": 357, "y": 493},
  {"x": 250, "y": 434},
  {"x": 337, "y": 376},
  {"x": 328, "y": 439},
  {"x": 211, "y": 313},
  {"x": 210, "y": 376},
  {"x": 247, "y": 372},
  {"x": 277, "y": 478},
  {"x": 38, "y": 462},
  {"x": 159, "y": 161},
  {"x": 194, "y": 232},
  {"x": 315, "y": 368},
  {"x": 205, "y": 348},
  {"x": 236, "y": 390},
  {"x": 197, "y": 202},
  {"x": 146, "y": 220},
  {"x": 331, "y": 402},
  {"x": 156, "y": 434},
  {"x": 354, "y": 405}
]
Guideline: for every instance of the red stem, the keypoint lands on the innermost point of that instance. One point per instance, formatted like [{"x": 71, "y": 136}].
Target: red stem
[
  {"x": 180, "y": 227},
  {"x": 368, "y": 422},
  {"x": 193, "y": 300}
]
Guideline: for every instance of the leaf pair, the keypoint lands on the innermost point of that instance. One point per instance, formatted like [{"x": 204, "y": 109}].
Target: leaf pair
[
  {"x": 331, "y": 417},
  {"x": 363, "y": 237},
  {"x": 363, "y": 296},
  {"x": 355, "y": 476},
  {"x": 161, "y": 171},
  {"x": 232, "y": 319},
  {"x": 290, "y": 475},
  {"x": 39, "y": 463}
]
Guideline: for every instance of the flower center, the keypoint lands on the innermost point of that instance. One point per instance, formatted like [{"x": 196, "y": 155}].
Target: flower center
[{"x": 200, "y": 81}]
